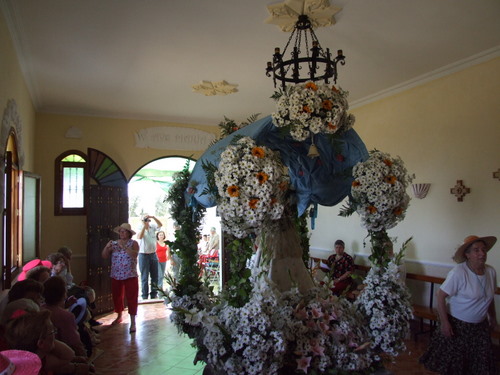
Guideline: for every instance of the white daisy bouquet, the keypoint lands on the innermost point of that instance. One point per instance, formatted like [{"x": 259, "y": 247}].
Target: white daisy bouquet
[
  {"x": 386, "y": 303},
  {"x": 310, "y": 108},
  {"x": 379, "y": 191},
  {"x": 251, "y": 183}
]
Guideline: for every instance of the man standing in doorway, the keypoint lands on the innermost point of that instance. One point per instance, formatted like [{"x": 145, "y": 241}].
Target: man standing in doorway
[
  {"x": 213, "y": 244},
  {"x": 148, "y": 261}
]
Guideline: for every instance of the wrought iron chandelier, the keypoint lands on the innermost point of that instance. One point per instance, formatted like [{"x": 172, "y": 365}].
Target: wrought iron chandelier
[{"x": 316, "y": 65}]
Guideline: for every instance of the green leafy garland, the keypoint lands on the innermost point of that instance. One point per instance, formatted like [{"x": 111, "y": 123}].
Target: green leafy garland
[
  {"x": 185, "y": 246},
  {"x": 238, "y": 287},
  {"x": 302, "y": 229},
  {"x": 228, "y": 126}
]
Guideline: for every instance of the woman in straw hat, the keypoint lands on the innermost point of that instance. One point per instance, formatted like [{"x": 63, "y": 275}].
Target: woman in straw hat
[
  {"x": 124, "y": 278},
  {"x": 462, "y": 344}
]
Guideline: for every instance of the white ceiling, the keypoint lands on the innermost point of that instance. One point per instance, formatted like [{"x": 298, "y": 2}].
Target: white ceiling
[{"x": 138, "y": 59}]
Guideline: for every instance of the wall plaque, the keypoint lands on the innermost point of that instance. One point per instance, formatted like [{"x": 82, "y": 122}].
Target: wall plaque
[{"x": 173, "y": 138}]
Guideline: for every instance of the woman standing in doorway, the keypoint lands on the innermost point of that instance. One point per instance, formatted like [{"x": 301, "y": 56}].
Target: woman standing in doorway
[
  {"x": 163, "y": 253},
  {"x": 124, "y": 278}
]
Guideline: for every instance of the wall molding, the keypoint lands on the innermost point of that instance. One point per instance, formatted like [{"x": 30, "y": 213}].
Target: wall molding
[
  {"x": 16, "y": 31},
  {"x": 444, "y": 71}
]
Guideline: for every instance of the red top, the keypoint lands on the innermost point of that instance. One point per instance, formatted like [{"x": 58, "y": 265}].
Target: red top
[{"x": 161, "y": 252}]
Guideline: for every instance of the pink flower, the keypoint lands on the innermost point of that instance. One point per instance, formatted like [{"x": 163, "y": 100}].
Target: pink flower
[
  {"x": 316, "y": 348},
  {"x": 332, "y": 316},
  {"x": 316, "y": 313},
  {"x": 303, "y": 363}
]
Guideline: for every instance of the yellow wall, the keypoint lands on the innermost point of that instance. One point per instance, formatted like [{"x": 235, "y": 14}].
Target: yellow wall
[
  {"x": 13, "y": 87},
  {"x": 114, "y": 137},
  {"x": 445, "y": 130}
]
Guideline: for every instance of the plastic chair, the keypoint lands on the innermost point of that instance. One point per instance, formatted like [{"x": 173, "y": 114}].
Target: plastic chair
[{"x": 211, "y": 266}]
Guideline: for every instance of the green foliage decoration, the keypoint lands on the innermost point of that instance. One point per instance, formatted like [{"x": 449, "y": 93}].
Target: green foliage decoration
[
  {"x": 229, "y": 126},
  {"x": 302, "y": 229},
  {"x": 238, "y": 287},
  {"x": 189, "y": 217}
]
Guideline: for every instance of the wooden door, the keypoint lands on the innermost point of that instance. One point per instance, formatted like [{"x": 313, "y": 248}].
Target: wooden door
[
  {"x": 107, "y": 207},
  {"x": 12, "y": 230}
]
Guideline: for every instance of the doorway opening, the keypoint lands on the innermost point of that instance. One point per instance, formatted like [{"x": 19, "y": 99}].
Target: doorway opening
[{"x": 147, "y": 192}]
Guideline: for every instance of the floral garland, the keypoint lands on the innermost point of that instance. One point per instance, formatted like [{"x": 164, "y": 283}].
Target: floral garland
[
  {"x": 251, "y": 185},
  {"x": 311, "y": 108},
  {"x": 379, "y": 191}
]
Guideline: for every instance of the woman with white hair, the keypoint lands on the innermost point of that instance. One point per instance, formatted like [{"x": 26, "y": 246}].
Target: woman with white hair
[{"x": 462, "y": 344}]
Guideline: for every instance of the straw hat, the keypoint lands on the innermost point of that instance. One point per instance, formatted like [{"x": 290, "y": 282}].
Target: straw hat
[
  {"x": 19, "y": 362},
  {"x": 124, "y": 226},
  {"x": 459, "y": 256},
  {"x": 32, "y": 264}
]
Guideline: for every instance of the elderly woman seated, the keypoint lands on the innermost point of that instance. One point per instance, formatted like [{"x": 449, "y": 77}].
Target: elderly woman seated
[{"x": 340, "y": 267}]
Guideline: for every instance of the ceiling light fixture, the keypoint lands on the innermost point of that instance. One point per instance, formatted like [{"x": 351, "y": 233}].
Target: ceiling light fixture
[{"x": 315, "y": 65}]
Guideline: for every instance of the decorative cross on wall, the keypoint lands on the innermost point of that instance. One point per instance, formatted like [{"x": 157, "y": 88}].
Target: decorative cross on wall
[
  {"x": 460, "y": 190},
  {"x": 497, "y": 174}
]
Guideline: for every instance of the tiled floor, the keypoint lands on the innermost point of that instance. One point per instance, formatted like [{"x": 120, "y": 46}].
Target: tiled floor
[{"x": 157, "y": 349}]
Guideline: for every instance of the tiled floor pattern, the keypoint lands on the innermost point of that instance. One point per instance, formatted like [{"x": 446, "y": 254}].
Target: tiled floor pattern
[{"x": 157, "y": 348}]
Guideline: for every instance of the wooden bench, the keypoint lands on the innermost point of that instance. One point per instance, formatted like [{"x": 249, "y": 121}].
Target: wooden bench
[{"x": 426, "y": 312}]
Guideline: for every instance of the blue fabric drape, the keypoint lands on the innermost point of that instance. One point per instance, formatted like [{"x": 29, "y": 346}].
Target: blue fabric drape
[{"x": 325, "y": 180}]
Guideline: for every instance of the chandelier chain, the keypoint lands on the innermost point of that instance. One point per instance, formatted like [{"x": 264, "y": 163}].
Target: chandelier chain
[{"x": 315, "y": 58}]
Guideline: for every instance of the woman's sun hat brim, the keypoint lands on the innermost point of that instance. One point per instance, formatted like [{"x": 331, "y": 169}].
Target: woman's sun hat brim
[
  {"x": 125, "y": 226},
  {"x": 32, "y": 264},
  {"x": 24, "y": 362},
  {"x": 459, "y": 256}
]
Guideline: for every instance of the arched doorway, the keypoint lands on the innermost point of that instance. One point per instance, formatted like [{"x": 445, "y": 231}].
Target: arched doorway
[{"x": 147, "y": 192}]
